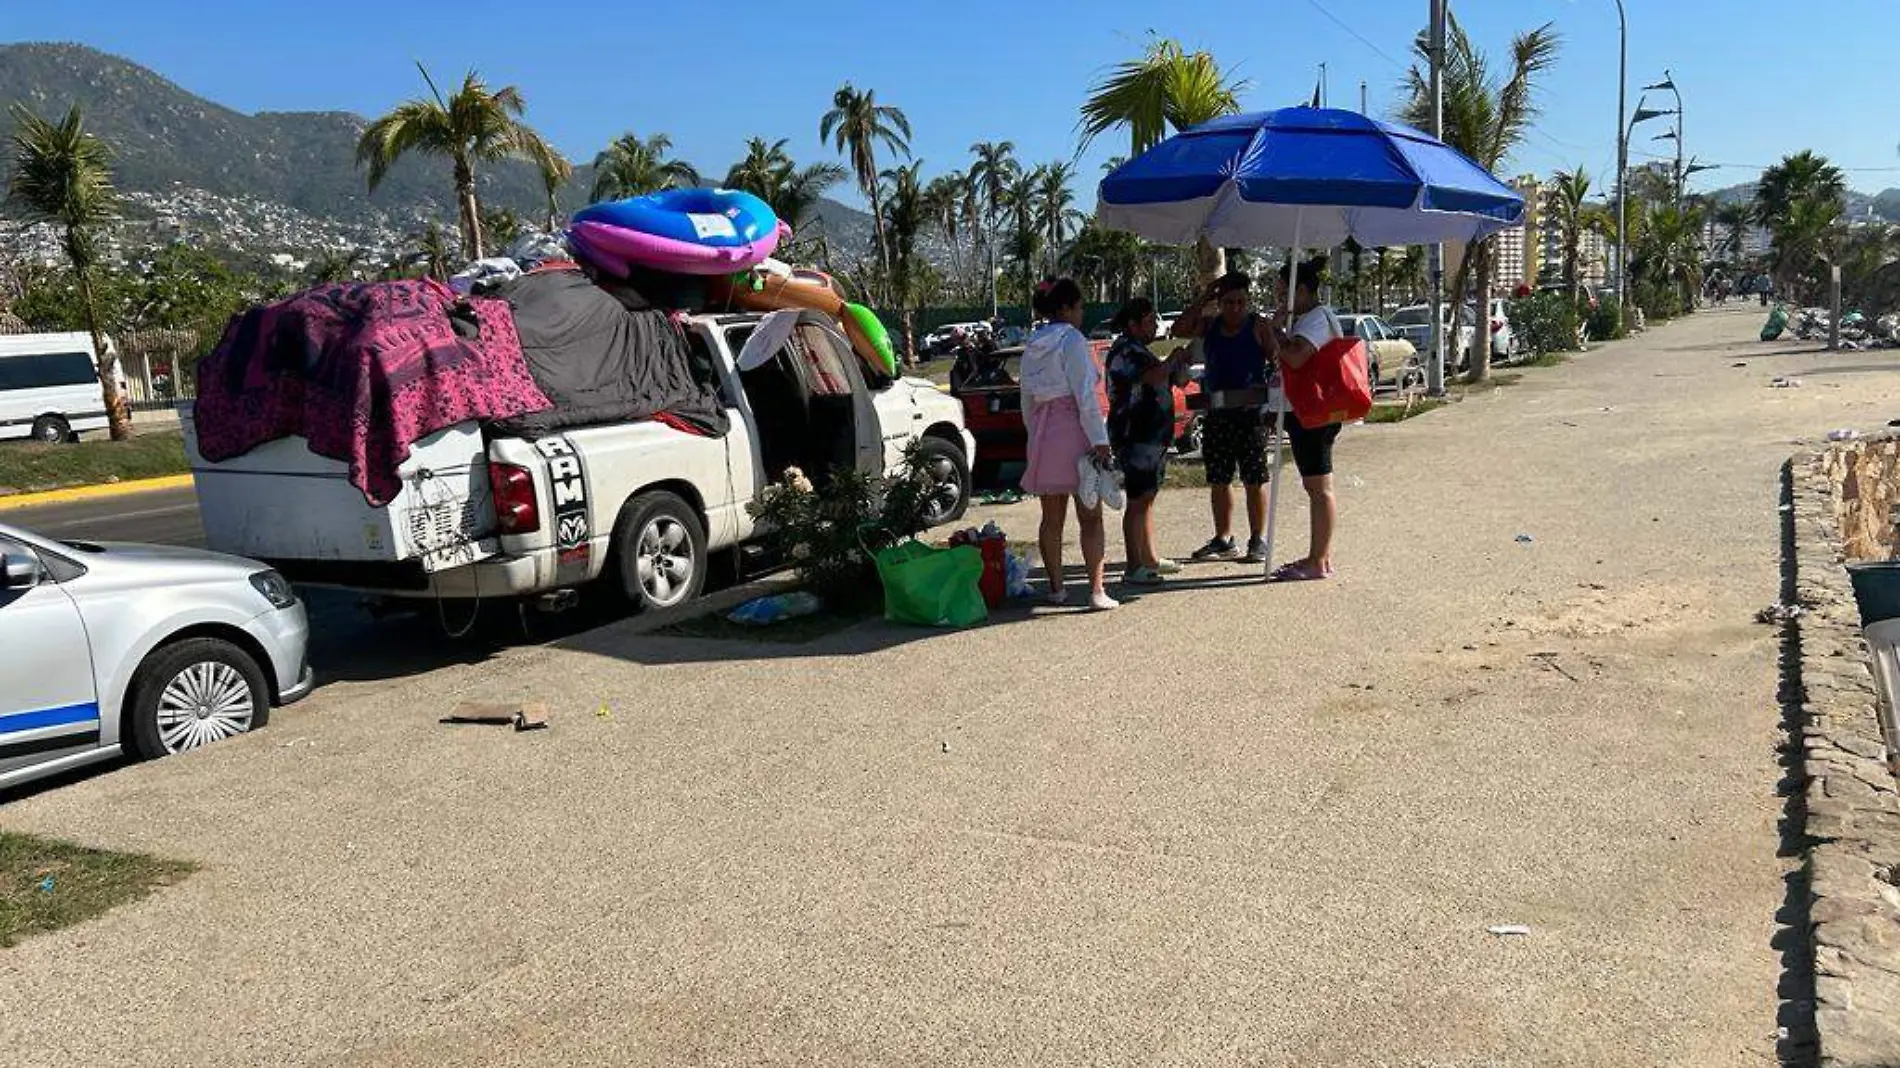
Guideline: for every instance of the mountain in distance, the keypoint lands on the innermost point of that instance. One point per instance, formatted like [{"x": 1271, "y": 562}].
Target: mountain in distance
[
  {"x": 1883, "y": 205},
  {"x": 165, "y": 138}
]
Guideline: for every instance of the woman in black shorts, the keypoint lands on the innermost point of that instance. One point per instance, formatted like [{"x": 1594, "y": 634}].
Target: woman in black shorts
[{"x": 1313, "y": 325}]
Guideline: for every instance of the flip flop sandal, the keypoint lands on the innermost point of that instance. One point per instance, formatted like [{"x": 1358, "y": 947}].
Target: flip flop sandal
[{"x": 1298, "y": 571}]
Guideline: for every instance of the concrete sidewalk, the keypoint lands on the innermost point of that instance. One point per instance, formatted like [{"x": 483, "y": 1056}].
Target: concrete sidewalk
[{"x": 1227, "y": 824}]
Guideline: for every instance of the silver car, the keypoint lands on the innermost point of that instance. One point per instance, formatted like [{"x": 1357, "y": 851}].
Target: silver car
[{"x": 143, "y": 650}]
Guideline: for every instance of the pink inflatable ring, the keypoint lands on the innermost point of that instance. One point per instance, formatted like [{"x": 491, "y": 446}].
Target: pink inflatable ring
[{"x": 682, "y": 231}]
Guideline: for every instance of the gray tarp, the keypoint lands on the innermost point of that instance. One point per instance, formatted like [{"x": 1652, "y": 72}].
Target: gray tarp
[{"x": 600, "y": 362}]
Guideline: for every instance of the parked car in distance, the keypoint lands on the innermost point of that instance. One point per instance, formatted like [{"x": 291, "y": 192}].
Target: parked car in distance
[
  {"x": 1504, "y": 341},
  {"x": 1390, "y": 358},
  {"x": 943, "y": 339},
  {"x": 49, "y": 387},
  {"x": 1414, "y": 323},
  {"x": 144, "y": 650}
]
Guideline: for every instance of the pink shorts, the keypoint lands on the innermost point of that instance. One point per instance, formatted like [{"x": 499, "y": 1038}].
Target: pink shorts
[{"x": 1056, "y": 443}]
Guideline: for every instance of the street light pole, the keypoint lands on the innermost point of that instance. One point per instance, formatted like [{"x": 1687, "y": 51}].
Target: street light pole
[
  {"x": 1435, "y": 366},
  {"x": 1680, "y": 176},
  {"x": 1622, "y": 158}
]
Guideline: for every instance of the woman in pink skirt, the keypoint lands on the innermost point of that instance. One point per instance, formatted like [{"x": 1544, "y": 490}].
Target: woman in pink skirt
[{"x": 1062, "y": 404}]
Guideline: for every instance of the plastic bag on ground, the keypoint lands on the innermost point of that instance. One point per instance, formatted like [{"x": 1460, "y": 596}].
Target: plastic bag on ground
[{"x": 765, "y": 611}]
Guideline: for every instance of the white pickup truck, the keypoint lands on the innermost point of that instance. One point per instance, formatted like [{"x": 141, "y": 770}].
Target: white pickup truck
[{"x": 641, "y": 505}]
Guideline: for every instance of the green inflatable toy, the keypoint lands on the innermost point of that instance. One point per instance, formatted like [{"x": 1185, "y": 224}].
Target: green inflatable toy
[{"x": 869, "y": 337}]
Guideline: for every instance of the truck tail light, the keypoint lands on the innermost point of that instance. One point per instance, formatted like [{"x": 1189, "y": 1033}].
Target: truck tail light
[{"x": 515, "y": 508}]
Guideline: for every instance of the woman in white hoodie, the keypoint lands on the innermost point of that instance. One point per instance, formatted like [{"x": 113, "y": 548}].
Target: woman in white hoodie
[{"x": 1062, "y": 404}]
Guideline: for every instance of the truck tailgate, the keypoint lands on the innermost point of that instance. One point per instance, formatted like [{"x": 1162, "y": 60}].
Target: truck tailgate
[{"x": 282, "y": 503}]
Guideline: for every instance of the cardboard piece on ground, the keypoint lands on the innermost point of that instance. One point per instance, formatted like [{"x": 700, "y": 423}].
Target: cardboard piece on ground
[{"x": 522, "y": 715}]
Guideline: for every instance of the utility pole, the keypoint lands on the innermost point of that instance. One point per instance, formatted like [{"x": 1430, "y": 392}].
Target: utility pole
[
  {"x": 1435, "y": 366},
  {"x": 1622, "y": 160},
  {"x": 993, "y": 308},
  {"x": 1363, "y": 110}
]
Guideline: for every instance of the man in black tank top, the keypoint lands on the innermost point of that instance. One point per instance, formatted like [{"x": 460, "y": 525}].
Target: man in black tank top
[{"x": 1234, "y": 344}]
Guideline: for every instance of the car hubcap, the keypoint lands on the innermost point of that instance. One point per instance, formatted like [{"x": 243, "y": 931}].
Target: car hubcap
[
  {"x": 203, "y": 703},
  {"x": 665, "y": 560},
  {"x": 946, "y": 489}
]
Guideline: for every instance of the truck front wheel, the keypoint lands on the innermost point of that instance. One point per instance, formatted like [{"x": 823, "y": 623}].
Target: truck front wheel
[
  {"x": 949, "y": 476},
  {"x": 659, "y": 551}
]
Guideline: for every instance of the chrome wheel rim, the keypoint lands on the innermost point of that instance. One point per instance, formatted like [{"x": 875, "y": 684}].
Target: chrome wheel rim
[
  {"x": 204, "y": 702},
  {"x": 946, "y": 489},
  {"x": 664, "y": 558}
]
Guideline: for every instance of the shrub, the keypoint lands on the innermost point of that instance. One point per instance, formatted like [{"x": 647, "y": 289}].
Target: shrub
[
  {"x": 1606, "y": 322},
  {"x": 1545, "y": 322},
  {"x": 823, "y": 530},
  {"x": 1659, "y": 300}
]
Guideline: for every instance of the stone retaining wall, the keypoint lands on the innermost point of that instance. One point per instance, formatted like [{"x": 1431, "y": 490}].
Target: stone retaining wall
[
  {"x": 1842, "y": 497},
  {"x": 1867, "y": 474}
]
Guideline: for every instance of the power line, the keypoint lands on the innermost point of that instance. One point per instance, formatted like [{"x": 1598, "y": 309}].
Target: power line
[
  {"x": 1317, "y": 6},
  {"x": 1757, "y": 166}
]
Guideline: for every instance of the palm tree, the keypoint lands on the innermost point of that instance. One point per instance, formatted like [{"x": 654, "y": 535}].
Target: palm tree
[
  {"x": 1802, "y": 176},
  {"x": 1056, "y": 215},
  {"x": 429, "y": 249},
  {"x": 1025, "y": 237},
  {"x": 474, "y": 125},
  {"x": 907, "y": 214},
  {"x": 1669, "y": 255},
  {"x": 856, "y": 125},
  {"x": 634, "y": 166},
  {"x": 1485, "y": 119},
  {"x": 1572, "y": 188},
  {"x": 990, "y": 175},
  {"x": 1167, "y": 88},
  {"x": 1735, "y": 218},
  {"x": 62, "y": 175},
  {"x": 944, "y": 203},
  {"x": 1800, "y": 200},
  {"x": 555, "y": 172},
  {"x": 767, "y": 172}
]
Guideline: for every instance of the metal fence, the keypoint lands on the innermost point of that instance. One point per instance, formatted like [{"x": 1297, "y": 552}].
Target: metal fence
[{"x": 159, "y": 365}]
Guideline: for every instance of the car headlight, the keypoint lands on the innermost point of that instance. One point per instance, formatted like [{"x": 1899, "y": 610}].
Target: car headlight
[{"x": 275, "y": 588}]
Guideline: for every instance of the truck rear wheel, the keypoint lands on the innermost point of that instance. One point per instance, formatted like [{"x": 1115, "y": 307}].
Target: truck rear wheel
[{"x": 659, "y": 551}]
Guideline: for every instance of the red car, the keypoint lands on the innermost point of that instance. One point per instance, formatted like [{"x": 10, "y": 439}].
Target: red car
[{"x": 993, "y": 413}]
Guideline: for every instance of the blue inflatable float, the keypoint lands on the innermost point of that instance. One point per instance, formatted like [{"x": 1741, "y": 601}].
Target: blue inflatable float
[{"x": 685, "y": 231}]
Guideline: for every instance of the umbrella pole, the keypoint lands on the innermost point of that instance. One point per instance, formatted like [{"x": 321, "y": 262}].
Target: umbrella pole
[{"x": 1279, "y": 416}]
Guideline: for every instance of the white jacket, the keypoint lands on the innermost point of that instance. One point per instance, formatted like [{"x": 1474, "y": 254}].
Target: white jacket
[{"x": 1057, "y": 363}]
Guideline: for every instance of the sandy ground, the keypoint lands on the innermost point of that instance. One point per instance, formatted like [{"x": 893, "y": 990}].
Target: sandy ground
[{"x": 1229, "y": 823}]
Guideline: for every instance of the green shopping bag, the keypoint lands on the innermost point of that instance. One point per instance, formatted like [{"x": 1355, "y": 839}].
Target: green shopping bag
[{"x": 932, "y": 587}]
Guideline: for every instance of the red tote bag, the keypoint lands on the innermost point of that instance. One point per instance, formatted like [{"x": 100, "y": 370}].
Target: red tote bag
[{"x": 1332, "y": 387}]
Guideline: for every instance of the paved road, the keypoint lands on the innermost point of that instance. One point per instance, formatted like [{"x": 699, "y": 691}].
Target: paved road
[
  {"x": 168, "y": 517},
  {"x": 1226, "y": 824}
]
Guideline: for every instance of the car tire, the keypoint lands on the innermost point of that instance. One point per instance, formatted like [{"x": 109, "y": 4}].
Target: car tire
[
  {"x": 192, "y": 693},
  {"x": 52, "y": 429},
  {"x": 659, "y": 552},
  {"x": 950, "y": 472}
]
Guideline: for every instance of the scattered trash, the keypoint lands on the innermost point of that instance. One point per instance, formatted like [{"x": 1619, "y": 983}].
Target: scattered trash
[
  {"x": 1525, "y": 539},
  {"x": 765, "y": 611},
  {"x": 1842, "y": 435},
  {"x": 1508, "y": 929},
  {"x": 521, "y": 715},
  {"x": 946, "y": 746},
  {"x": 603, "y": 712},
  {"x": 46, "y": 885},
  {"x": 1549, "y": 660},
  {"x": 1739, "y": 363},
  {"x": 1355, "y": 482},
  {"x": 1780, "y": 613},
  {"x": 1785, "y": 382},
  {"x": 1010, "y": 496},
  {"x": 1016, "y": 574}
]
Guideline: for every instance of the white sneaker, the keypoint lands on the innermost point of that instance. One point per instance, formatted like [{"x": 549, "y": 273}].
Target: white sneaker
[
  {"x": 1113, "y": 495},
  {"x": 1088, "y": 481}
]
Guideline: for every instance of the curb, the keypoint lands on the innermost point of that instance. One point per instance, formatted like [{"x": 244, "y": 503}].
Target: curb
[{"x": 88, "y": 493}]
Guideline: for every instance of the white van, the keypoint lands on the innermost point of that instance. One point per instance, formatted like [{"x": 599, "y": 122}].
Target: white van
[{"x": 49, "y": 387}]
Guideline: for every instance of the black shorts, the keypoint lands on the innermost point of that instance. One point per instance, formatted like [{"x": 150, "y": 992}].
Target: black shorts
[
  {"x": 1143, "y": 467},
  {"x": 1234, "y": 441},
  {"x": 1312, "y": 449}
]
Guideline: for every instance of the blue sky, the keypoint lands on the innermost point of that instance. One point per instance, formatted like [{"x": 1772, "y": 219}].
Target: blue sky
[{"x": 1757, "y": 82}]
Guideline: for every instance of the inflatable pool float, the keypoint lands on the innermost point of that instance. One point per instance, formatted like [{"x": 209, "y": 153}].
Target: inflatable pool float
[
  {"x": 773, "y": 286},
  {"x": 684, "y": 231}
]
